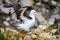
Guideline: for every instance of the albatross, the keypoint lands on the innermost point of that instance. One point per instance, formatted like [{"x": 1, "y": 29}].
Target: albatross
[{"x": 28, "y": 23}]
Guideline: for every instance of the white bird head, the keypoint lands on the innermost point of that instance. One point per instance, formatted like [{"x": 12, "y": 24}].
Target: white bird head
[{"x": 32, "y": 13}]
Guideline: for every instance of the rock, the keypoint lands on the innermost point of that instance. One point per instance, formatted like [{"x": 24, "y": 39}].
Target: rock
[
  {"x": 51, "y": 21},
  {"x": 53, "y": 31},
  {"x": 25, "y": 3},
  {"x": 41, "y": 19},
  {"x": 33, "y": 36},
  {"x": 7, "y": 10},
  {"x": 27, "y": 38},
  {"x": 2, "y": 30},
  {"x": 45, "y": 1},
  {"x": 11, "y": 1},
  {"x": 8, "y": 19},
  {"x": 6, "y": 23},
  {"x": 37, "y": 31},
  {"x": 20, "y": 38},
  {"x": 53, "y": 4},
  {"x": 42, "y": 27}
]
